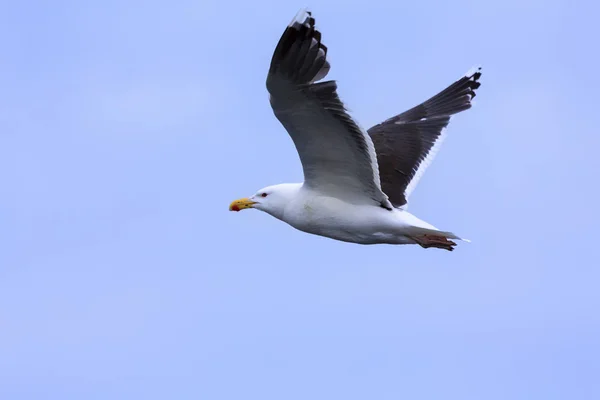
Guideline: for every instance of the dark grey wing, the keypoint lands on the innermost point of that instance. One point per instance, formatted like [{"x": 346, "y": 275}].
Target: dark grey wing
[
  {"x": 338, "y": 157},
  {"x": 406, "y": 143}
]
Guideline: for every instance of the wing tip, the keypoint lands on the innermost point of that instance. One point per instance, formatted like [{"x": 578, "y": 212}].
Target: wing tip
[
  {"x": 473, "y": 76},
  {"x": 474, "y": 73},
  {"x": 299, "y": 57},
  {"x": 302, "y": 16}
]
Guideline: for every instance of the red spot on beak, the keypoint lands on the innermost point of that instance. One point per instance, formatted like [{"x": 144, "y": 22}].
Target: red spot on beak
[{"x": 241, "y": 204}]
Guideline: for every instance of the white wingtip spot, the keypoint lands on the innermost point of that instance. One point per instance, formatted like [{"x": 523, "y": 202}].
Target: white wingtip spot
[
  {"x": 473, "y": 71},
  {"x": 300, "y": 17}
]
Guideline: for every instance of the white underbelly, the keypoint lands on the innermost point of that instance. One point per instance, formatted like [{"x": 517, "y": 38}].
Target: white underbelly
[{"x": 336, "y": 219}]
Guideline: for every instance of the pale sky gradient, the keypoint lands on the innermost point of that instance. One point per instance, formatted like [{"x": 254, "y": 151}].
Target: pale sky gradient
[{"x": 127, "y": 128}]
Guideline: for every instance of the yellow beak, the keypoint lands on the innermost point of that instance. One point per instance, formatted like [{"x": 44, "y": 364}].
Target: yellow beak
[{"x": 239, "y": 205}]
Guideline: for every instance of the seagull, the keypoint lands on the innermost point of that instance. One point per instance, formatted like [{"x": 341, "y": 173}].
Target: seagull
[{"x": 356, "y": 182}]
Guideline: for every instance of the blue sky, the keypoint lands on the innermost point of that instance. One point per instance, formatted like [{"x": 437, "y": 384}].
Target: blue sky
[{"x": 127, "y": 128}]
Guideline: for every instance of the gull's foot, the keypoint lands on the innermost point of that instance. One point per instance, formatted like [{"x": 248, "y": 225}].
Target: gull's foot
[{"x": 439, "y": 242}]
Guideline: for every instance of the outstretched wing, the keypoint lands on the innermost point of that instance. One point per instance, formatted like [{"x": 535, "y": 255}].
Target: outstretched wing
[
  {"x": 407, "y": 143},
  {"x": 338, "y": 157}
]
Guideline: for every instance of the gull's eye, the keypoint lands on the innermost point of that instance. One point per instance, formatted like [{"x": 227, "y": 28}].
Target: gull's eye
[{"x": 263, "y": 195}]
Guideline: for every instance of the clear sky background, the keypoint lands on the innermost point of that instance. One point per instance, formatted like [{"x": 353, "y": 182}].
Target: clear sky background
[{"x": 126, "y": 128}]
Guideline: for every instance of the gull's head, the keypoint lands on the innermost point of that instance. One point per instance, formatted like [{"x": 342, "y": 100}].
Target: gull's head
[{"x": 271, "y": 199}]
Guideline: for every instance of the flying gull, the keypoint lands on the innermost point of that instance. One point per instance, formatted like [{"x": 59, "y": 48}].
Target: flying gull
[{"x": 356, "y": 182}]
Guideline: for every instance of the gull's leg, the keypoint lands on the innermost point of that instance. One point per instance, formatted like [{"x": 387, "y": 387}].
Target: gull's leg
[{"x": 439, "y": 242}]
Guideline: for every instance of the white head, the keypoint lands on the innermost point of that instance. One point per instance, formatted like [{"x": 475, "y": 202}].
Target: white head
[{"x": 271, "y": 199}]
